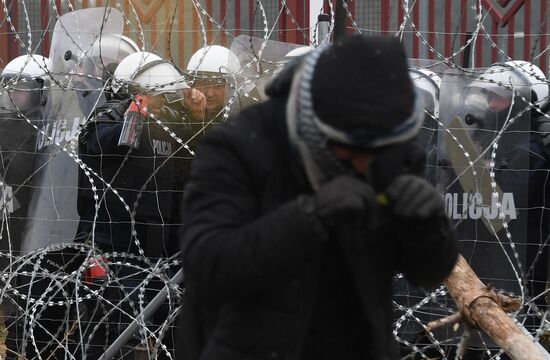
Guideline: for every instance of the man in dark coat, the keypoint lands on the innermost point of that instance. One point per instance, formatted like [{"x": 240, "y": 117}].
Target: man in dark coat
[{"x": 299, "y": 211}]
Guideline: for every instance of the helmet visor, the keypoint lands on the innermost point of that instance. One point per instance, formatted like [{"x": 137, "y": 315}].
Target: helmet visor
[
  {"x": 202, "y": 82},
  {"x": 483, "y": 103},
  {"x": 20, "y": 93}
]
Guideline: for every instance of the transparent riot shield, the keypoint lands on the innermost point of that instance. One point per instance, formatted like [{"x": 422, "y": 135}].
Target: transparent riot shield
[
  {"x": 260, "y": 60},
  {"x": 426, "y": 76},
  {"x": 483, "y": 174},
  {"x": 77, "y": 88},
  {"x": 76, "y": 63}
]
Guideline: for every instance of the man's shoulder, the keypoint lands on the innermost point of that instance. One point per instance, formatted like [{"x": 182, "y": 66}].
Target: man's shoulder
[
  {"x": 251, "y": 135},
  {"x": 262, "y": 119},
  {"x": 272, "y": 107}
]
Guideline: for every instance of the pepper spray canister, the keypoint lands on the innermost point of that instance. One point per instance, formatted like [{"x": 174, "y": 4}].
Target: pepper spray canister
[{"x": 134, "y": 117}]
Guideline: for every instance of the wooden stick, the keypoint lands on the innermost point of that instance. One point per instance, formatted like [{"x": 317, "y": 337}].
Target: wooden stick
[
  {"x": 445, "y": 321},
  {"x": 480, "y": 307}
]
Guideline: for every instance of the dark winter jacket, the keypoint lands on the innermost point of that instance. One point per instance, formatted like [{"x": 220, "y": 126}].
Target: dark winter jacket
[{"x": 252, "y": 257}]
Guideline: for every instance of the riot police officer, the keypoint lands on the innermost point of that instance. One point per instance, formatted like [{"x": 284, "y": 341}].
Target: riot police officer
[
  {"x": 22, "y": 101},
  {"x": 135, "y": 147},
  {"x": 211, "y": 68},
  {"x": 493, "y": 173},
  {"x": 23, "y": 95}
]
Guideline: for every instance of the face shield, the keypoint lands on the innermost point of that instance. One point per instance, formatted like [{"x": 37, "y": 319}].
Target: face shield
[
  {"x": 428, "y": 102},
  {"x": 159, "y": 100},
  {"x": 204, "y": 81},
  {"x": 52, "y": 208},
  {"x": 19, "y": 93},
  {"x": 499, "y": 88},
  {"x": 426, "y": 76},
  {"x": 216, "y": 88},
  {"x": 427, "y": 135},
  {"x": 159, "y": 81},
  {"x": 21, "y": 102},
  {"x": 487, "y": 108},
  {"x": 431, "y": 112},
  {"x": 76, "y": 64},
  {"x": 260, "y": 60}
]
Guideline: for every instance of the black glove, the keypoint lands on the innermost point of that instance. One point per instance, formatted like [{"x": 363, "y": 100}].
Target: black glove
[
  {"x": 342, "y": 198},
  {"x": 410, "y": 196},
  {"x": 112, "y": 110}
]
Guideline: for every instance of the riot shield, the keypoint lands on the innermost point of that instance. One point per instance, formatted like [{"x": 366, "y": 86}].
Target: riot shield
[
  {"x": 482, "y": 171},
  {"x": 426, "y": 76},
  {"x": 21, "y": 99},
  {"x": 260, "y": 59},
  {"x": 483, "y": 174},
  {"x": 76, "y": 62},
  {"x": 77, "y": 88}
]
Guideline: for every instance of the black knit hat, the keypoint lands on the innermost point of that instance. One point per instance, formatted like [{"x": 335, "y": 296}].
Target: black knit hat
[{"x": 362, "y": 86}]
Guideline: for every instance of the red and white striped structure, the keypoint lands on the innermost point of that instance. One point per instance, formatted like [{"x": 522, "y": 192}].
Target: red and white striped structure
[{"x": 429, "y": 29}]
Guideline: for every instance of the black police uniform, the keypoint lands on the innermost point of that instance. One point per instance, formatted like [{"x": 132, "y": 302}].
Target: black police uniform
[{"x": 150, "y": 176}]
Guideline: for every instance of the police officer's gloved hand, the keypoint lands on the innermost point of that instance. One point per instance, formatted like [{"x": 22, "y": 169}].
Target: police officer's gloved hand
[
  {"x": 343, "y": 198},
  {"x": 112, "y": 110},
  {"x": 412, "y": 197}
]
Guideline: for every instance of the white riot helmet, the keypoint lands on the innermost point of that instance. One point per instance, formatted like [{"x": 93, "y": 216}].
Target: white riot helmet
[
  {"x": 108, "y": 51},
  {"x": 496, "y": 96},
  {"x": 22, "y": 83},
  {"x": 291, "y": 55},
  {"x": 145, "y": 71},
  {"x": 213, "y": 59},
  {"x": 535, "y": 76},
  {"x": 427, "y": 84},
  {"x": 113, "y": 44},
  {"x": 299, "y": 51},
  {"x": 212, "y": 68},
  {"x": 28, "y": 65},
  {"x": 503, "y": 79}
]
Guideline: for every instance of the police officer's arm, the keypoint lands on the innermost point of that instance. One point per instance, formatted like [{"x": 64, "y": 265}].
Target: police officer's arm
[
  {"x": 229, "y": 250},
  {"x": 102, "y": 131}
]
